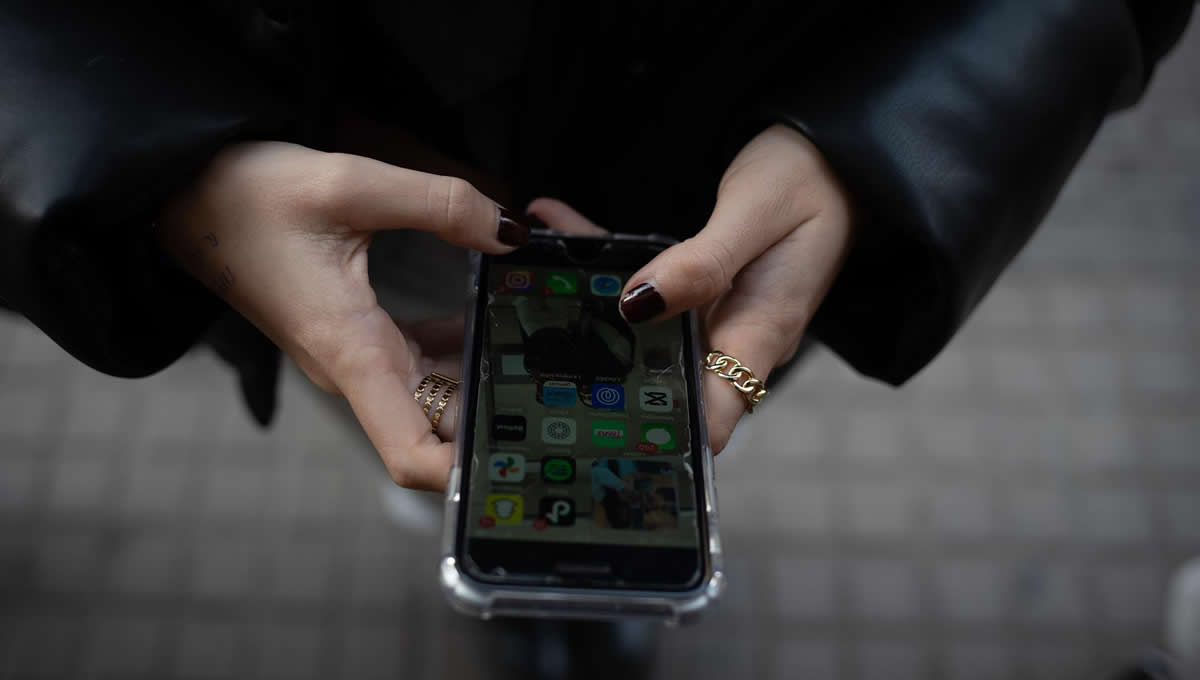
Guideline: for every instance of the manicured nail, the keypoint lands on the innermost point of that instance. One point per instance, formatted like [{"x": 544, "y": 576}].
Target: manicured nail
[
  {"x": 642, "y": 303},
  {"x": 512, "y": 230}
]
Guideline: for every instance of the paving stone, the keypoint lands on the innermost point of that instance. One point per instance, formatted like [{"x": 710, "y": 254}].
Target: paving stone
[
  {"x": 206, "y": 648},
  {"x": 1037, "y": 513},
  {"x": 806, "y": 658},
  {"x": 121, "y": 645},
  {"x": 803, "y": 587},
  {"x": 144, "y": 565},
  {"x": 960, "y": 510},
  {"x": 889, "y": 660},
  {"x": 1117, "y": 515},
  {"x": 879, "y": 510},
  {"x": 978, "y": 661},
  {"x": 290, "y": 651},
  {"x": 223, "y": 568},
  {"x": 884, "y": 589},
  {"x": 1131, "y": 594},
  {"x": 970, "y": 590},
  {"x": 376, "y": 652}
]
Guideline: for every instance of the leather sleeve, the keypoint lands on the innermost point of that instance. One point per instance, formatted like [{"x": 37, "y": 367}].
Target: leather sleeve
[
  {"x": 105, "y": 112},
  {"x": 953, "y": 127}
]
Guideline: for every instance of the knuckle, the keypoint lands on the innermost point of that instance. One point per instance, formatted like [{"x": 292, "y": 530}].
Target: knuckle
[
  {"x": 708, "y": 267},
  {"x": 351, "y": 363},
  {"x": 401, "y": 471},
  {"x": 332, "y": 177},
  {"x": 452, "y": 203}
]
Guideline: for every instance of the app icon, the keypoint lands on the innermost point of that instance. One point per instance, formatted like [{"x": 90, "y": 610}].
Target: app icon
[
  {"x": 518, "y": 279},
  {"x": 657, "y": 437},
  {"x": 606, "y": 285},
  {"x": 558, "y": 430},
  {"x": 562, "y": 283},
  {"x": 608, "y": 433},
  {"x": 558, "y": 470},
  {"x": 558, "y": 512},
  {"x": 504, "y": 508},
  {"x": 608, "y": 395},
  {"x": 506, "y": 467},
  {"x": 656, "y": 399},
  {"x": 558, "y": 393},
  {"x": 508, "y": 428}
]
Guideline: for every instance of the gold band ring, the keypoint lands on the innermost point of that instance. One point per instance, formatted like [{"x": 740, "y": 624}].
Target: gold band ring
[
  {"x": 435, "y": 383},
  {"x": 729, "y": 368}
]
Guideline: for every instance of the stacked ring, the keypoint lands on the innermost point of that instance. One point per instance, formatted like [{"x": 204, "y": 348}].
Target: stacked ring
[{"x": 435, "y": 383}]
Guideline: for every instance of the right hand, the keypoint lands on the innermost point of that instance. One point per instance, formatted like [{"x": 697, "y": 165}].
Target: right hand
[{"x": 281, "y": 232}]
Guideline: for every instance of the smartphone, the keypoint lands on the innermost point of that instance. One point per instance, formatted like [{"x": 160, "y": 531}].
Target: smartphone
[{"x": 584, "y": 480}]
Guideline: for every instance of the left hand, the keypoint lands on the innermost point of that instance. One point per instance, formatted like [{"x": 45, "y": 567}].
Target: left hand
[{"x": 756, "y": 272}]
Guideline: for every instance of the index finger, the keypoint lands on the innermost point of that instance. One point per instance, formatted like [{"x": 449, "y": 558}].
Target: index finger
[{"x": 369, "y": 195}]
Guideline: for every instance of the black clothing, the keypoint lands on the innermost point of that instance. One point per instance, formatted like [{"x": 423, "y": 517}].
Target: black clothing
[{"x": 952, "y": 124}]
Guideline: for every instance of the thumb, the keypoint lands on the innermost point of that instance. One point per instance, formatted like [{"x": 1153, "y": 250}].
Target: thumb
[{"x": 743, "y": 225}]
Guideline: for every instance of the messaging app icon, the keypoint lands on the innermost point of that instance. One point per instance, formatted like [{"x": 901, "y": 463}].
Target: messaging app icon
[
  {"x": 657, "y": 437},
  {"x": 562, "y": 283},
  {"x": 504, "y": 508}
]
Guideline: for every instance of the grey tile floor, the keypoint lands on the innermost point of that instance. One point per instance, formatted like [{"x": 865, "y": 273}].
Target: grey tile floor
[{"x": 1013, "y": 513}]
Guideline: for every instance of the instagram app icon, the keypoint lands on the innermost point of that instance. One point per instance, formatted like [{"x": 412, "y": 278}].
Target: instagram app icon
[{"x": 518, "y": 280}]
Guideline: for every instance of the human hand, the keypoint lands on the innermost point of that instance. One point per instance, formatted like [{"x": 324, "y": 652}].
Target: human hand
[
  {"x": 756, "y": 272},
  {"x": 281, "y": 232}
]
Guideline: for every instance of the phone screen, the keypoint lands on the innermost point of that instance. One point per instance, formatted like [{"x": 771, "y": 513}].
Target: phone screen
[{"x": 582, "y": 465}]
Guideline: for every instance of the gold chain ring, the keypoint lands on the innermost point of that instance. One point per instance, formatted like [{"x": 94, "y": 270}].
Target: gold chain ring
[{"x": 729, "y": 368}]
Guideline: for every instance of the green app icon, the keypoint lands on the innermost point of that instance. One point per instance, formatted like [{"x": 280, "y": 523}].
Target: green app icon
[
  {"x": 562, "y": 283},
  {"x": 608, "y": 433},
  {"x": 661, "y": 435},
  {"x": 558, "y": 469}
]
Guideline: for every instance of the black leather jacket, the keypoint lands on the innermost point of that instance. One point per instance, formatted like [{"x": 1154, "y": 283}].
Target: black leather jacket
[{"x": 953, "y": 125}]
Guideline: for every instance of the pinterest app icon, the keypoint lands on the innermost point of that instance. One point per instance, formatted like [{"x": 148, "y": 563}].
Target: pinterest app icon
[{"x": 518, "y": 280}]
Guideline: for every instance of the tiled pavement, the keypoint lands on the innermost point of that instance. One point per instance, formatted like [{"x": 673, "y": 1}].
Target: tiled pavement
[{"x": 1013, "y": 513}]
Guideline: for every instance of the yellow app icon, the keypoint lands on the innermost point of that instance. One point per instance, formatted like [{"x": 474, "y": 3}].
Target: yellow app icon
[{"x": 505, "y": 508}]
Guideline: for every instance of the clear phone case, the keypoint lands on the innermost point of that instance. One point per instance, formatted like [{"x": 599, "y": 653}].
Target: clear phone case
[{"x": 485, "y": 600}]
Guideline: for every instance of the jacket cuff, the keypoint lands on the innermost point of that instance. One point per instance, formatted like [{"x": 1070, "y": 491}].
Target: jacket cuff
[{"x": 952, "y": 135}]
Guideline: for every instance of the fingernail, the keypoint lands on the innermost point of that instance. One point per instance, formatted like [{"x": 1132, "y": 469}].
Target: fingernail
[
  {"x": 642, "y": 303},
  {"x": 512, "y": 230}
]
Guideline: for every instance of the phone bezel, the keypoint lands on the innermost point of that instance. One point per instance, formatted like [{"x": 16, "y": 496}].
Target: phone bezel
[{"x": 639, "y": 568}]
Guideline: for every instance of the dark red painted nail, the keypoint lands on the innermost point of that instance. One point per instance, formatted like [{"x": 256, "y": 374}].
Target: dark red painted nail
[
  {"x": 512, "y": 230},
  {"x": 642, "y": 303}
]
